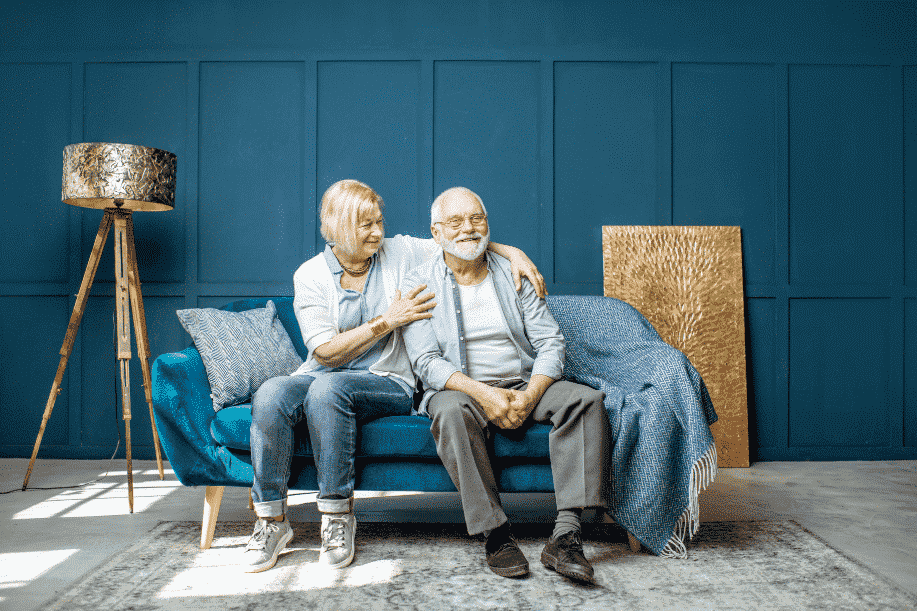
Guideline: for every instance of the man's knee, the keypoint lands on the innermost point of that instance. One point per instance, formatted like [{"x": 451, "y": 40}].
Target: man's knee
[
  {"x": 452, "y": 410},
  {"x": 593, "y": 397},
  {"x": 581, "y": 402}
]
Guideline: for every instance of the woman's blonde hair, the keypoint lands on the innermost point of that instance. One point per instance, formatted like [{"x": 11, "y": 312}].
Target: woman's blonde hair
[{"x": 342, "y": 205}]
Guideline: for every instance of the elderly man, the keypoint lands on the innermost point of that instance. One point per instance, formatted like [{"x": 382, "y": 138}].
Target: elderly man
[{"x": 489, "y": 357}]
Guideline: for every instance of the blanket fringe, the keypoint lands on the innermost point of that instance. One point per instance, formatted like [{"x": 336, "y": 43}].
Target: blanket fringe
[{"x": 703, "y": 472}]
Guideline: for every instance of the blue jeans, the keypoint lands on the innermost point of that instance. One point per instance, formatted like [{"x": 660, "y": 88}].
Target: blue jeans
[{"x": 334, "y": 404}]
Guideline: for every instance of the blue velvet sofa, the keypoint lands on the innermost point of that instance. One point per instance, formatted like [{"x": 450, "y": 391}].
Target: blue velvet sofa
[{"x": 207, "y": 448}]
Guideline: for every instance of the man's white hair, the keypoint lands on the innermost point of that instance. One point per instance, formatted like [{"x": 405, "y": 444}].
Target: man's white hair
[{"x": 436, "y": 210}]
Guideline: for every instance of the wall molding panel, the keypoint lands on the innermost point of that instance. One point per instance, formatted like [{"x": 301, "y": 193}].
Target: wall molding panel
[{"x": 799, "y": 126}]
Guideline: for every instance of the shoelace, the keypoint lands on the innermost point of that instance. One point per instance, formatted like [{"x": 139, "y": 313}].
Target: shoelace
[
  {"x": 333, "y": 532},
  {"x": 262, "y": 529},
  {"x": 508, "y": 544},
  {"x": 576, "y": 538}
]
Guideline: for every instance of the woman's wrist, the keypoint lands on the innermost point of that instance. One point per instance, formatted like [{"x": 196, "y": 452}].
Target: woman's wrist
[{"x": 379, "y": 326}]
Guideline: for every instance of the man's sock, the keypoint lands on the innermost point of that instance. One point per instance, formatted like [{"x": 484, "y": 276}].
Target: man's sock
[{"x": 567, "y": 521}]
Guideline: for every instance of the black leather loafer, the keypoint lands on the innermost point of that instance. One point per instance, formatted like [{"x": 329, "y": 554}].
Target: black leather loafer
[
  {"x": 565, "y": 555},
  {"x": 503, "y": 554}
]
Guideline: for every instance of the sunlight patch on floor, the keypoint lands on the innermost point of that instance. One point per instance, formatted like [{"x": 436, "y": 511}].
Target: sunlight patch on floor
[
  {"x": 101, "y": 499},
  {"x": 222, "y": 579},
  {"x": 19, "y": 568},
  {"x": 114, "y": 502},
  {"x": 63, "y": 501},
  {"x": 148, "y": 472},
  {"x": 300, "y": 498}
]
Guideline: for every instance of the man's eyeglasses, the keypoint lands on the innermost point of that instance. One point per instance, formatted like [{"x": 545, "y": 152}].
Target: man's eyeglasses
[{"x": 457, "y": 221}]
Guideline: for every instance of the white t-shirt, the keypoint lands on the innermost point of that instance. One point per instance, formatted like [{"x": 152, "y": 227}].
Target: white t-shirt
[{"x": 489, "y": 351}]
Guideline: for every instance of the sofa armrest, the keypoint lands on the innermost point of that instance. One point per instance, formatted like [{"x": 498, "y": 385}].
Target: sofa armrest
[{"x": 184, "y": 410}]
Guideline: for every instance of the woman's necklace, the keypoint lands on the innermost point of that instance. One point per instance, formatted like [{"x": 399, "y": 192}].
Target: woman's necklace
[{"x": 357, "y": 272}]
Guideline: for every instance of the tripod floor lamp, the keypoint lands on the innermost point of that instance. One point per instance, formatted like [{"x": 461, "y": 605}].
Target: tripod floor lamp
[{"x": 119, "y": 179}]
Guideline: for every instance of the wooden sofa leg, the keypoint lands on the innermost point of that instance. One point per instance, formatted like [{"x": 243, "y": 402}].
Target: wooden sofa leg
[
  {"x": 251, "y": 501},
  {"x": 213, "y": 496},
  {"x": 632, "y": 540}
]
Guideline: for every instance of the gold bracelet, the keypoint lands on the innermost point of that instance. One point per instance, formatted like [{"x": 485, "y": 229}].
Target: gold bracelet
[{"x": 379, "y": 326}]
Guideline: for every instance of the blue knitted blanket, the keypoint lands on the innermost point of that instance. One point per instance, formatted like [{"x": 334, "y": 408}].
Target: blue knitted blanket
[{"x": 660, "y": 412}]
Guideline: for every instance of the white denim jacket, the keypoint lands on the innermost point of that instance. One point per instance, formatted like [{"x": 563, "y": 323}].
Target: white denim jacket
[{"x": 315, "y": 302}]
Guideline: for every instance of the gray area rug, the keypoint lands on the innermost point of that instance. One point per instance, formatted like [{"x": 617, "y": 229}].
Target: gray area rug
[{"x": 731, "y": 565}]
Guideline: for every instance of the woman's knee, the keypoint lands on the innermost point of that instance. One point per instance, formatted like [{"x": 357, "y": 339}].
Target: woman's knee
[
  {"x": 268, "y": 396},
  {"x": 269, "y": 390},
  {"x": 277, "y": 398},
  {"x": 325, "y": 393}
]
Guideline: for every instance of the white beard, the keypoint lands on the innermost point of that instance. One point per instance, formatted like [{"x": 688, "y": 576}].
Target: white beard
[{"x": 466, "y": 251}]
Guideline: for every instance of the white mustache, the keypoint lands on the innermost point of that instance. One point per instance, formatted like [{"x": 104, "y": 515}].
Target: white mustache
[{"x": 454, "y": 247}]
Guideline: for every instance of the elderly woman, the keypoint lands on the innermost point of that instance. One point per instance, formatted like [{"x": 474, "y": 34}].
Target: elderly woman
[{"x": 350, "y": 313}]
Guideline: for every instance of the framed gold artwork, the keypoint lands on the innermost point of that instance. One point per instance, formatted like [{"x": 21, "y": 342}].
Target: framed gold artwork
[{"x": 687, "y": 281}]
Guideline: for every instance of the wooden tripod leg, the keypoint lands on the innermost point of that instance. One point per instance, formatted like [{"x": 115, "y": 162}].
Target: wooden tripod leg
[
  {"x": 78, "y": 308},
  {"x": 122, "y": 307},
  {"x": 140, "y": 334},
  {"x": 125, "y": 366}
]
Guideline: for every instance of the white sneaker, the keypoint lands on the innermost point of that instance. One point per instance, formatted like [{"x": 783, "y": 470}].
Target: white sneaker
[
  {"x": 338, "y": 530},
  {"x": 265, "y": 544}
]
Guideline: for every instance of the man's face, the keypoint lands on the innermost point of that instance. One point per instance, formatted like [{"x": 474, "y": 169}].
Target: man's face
[{"x": 463, "y": 230}]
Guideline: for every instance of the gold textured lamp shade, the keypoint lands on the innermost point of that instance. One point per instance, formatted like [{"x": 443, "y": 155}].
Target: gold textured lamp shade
[{"x": 107, "y": 175}]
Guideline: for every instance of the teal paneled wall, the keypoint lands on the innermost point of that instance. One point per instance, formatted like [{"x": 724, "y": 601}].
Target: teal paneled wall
[
  {"x": 369, "y": 128},
  {"x": 605, "y": 164},
  {"x": 723, "y": 149},
  {"x": 251, "y": 171},
  {"x": 35, "y": 104},
  {"x": 795, "y": 121}
]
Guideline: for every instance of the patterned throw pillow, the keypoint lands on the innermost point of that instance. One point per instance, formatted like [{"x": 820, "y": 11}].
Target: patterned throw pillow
[{"x": 240, "y": 350}]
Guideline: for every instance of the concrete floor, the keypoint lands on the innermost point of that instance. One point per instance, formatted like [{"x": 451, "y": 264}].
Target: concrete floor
[{"x": 50, "y": 538}]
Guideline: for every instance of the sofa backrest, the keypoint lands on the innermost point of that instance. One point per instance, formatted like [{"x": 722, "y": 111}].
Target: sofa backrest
[{"x": 618, "y": 321}]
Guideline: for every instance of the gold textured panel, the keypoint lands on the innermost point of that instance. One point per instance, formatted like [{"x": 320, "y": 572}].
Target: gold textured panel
[
  {"x": 109, "y": 175},
  {"x": 687, "y": 281}
]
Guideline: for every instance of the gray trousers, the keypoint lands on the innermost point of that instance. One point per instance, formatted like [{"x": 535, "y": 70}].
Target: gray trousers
[{"x": 578, "y": 444}]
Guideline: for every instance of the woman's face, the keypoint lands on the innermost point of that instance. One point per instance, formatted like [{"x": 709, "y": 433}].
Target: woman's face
[{"x": 370, "y": 231}]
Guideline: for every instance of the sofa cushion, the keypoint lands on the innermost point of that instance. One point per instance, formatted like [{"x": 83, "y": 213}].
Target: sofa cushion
[
  {"x": 388, "y": 437},
  {"x": 528, "y": 441},
  {"x": 231, "y": 427},
  {"x": 397, "y": 436},
  {"x": 240, "y": 350}
]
